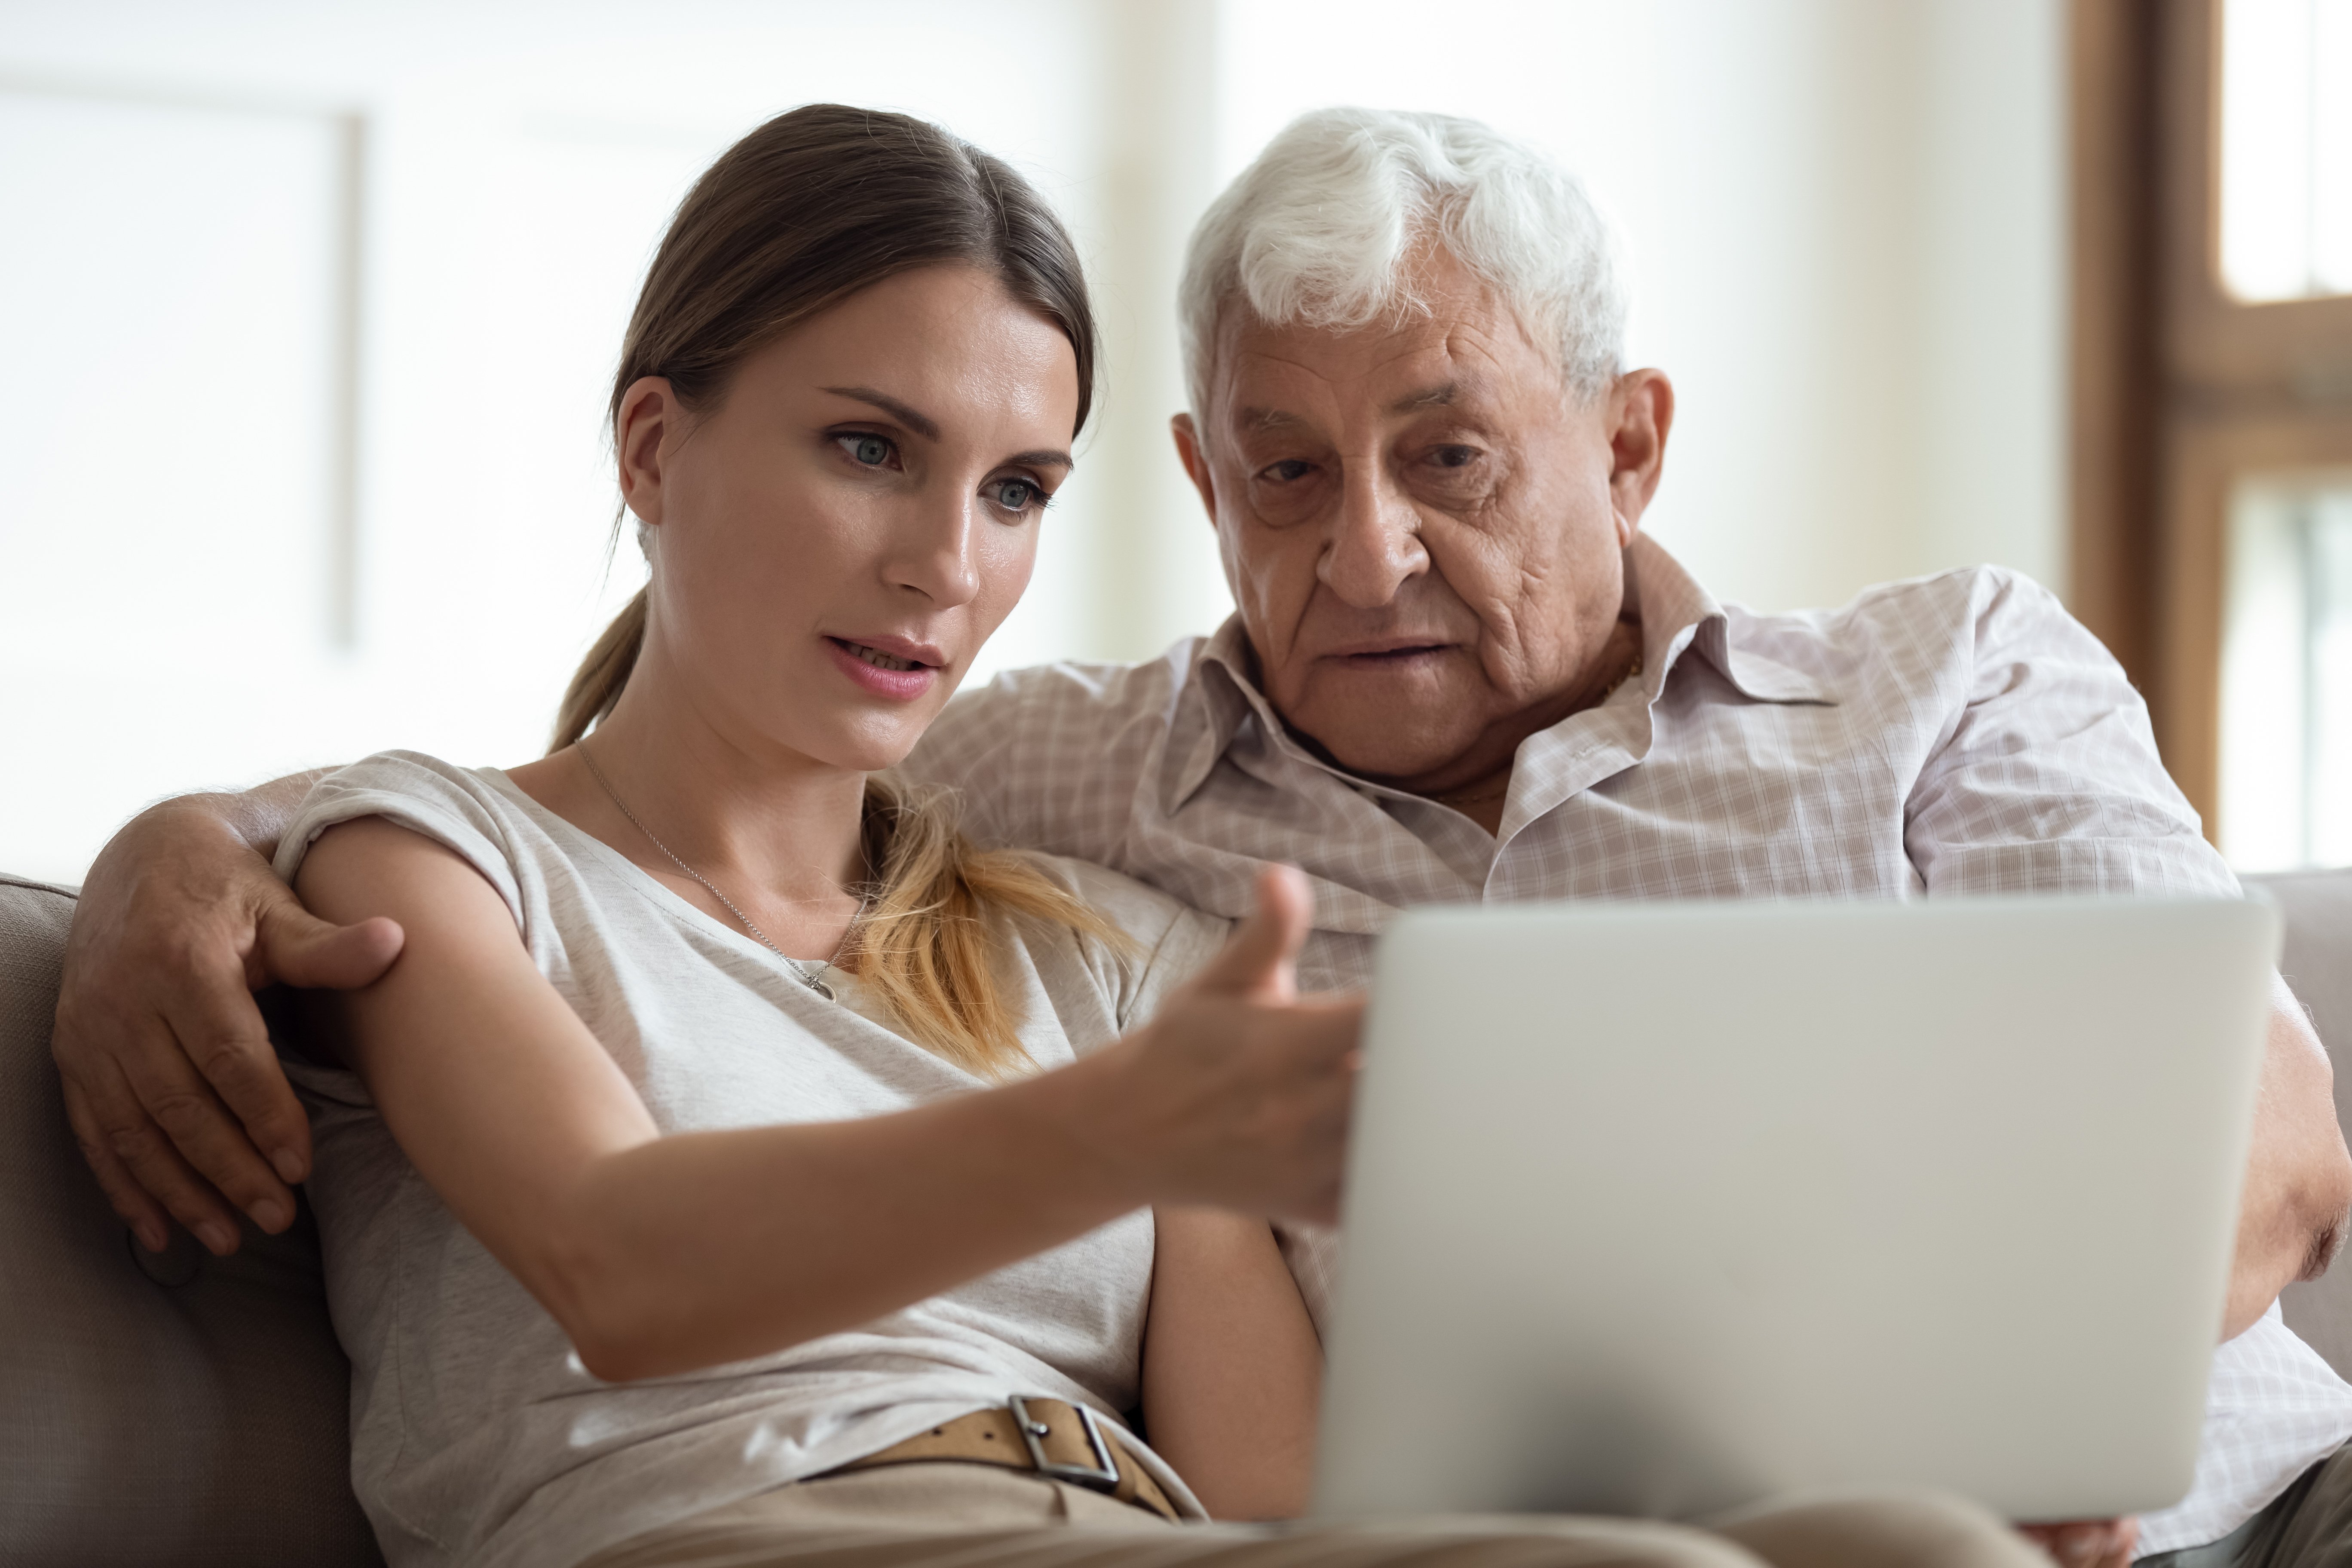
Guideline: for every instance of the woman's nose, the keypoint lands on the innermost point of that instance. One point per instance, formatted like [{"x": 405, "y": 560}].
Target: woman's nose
[{"x": 935, "y": 555}]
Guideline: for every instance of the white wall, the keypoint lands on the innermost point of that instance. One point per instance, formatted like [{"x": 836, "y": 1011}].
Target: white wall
[{"x": 1843, "y": 217}]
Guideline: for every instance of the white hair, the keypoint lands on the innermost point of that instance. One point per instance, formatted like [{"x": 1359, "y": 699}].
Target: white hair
[{"x": 1320, "y": 230}]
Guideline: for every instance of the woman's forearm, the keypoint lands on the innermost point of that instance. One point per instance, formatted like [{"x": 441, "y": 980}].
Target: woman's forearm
[
  {"x": 1232, "y": 1367},
  {"x": 663, "y": 1254},
  {"x": 690, "y": 1251}
]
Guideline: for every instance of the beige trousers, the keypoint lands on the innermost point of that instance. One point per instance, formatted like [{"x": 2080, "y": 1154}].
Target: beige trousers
[{"x": 949, "y": 1515}]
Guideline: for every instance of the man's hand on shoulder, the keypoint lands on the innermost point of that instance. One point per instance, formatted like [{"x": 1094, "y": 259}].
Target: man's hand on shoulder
[{"x": 174, "y": 1091}]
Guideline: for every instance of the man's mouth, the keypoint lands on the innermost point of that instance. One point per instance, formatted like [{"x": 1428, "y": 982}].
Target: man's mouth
[
  {"x": 1377, "y": 655},
  {"x": 1411, "y": 650}
]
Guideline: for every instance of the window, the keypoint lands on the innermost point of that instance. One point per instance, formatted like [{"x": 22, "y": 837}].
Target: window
[
  {"x": 2286, "y": 675},
  {"x": 2212, "y": 486},
  {"x": 2286, "y": 148}
]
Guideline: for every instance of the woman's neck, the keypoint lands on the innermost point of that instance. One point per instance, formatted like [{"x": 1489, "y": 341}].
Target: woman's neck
[{"x": 778, "y": 834}]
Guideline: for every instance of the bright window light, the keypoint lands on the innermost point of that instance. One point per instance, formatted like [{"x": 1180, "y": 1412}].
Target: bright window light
[
  {"x": 2286, "y": 148},
  {"x": 2286, "y": 677}
]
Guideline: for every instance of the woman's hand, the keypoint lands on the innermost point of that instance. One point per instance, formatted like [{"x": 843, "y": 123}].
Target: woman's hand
[{"x": 1236, "y": 1096}]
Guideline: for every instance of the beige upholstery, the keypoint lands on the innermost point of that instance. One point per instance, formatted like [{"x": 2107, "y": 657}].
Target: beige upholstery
[
  {"x": 178, "y": 1411},
  {"x": 188, "y": 1411}
]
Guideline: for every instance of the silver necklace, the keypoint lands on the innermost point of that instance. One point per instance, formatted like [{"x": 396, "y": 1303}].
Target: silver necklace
[{"x": 812, "y": 978}]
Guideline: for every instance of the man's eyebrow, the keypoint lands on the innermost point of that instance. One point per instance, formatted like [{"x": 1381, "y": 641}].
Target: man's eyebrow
[
  {"x": 1428, "y": 397},
  {"x": 1256, "y": 419},
  {"x": 921, "y": 424}
]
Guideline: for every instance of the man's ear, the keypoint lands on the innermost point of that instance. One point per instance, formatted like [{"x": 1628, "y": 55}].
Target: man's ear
[
  {"x": 1641, "y": 413},
  {"x": 1196, "y": 460},
  {"x": 649, "y": 412}
]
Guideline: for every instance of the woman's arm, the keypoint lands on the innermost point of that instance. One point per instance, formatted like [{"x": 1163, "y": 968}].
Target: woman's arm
[
  {"x": 1232, "y": 1368},
  {"x": 663, "y": 1254}
]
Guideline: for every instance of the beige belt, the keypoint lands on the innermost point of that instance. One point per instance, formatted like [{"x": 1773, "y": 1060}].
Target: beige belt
[{"x": 1063, "y": 1442}]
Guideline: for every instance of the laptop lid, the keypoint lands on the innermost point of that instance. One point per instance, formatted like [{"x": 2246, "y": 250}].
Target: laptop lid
[{"x": 1660, "y": 1209}]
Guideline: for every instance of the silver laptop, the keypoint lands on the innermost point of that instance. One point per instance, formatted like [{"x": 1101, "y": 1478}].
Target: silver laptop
[{"x": 1656, "y": 1210}]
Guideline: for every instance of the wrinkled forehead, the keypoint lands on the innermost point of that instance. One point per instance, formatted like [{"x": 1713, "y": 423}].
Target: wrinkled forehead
[{"x": 1465, "y": 352}]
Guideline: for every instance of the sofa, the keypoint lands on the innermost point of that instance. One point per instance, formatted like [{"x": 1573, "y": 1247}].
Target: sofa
[{"x": 184, "y": 1411}]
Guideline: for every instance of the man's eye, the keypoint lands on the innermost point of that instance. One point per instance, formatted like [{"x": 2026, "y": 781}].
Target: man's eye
[
  {"x": 870, "y": 451},
  {"x": 1286, "y": 470},
  {"x": 1455, "y": 457}
]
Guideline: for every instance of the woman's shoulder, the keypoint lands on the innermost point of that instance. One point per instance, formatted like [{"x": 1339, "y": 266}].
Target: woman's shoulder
[
  {"x": 463, "y": 809},
  {"x": 1167, "y": 939},
  {"x": 419, "y": 773}
]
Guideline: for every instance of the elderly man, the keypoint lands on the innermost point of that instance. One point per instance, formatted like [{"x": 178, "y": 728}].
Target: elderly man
[{"x": 1458, "y": 673}]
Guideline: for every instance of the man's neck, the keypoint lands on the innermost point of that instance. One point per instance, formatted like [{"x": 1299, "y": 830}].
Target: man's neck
[{"x": 1478, "y": 783}]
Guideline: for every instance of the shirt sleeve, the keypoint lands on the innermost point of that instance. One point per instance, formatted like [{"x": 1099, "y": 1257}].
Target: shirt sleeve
[
  {"x": 1169, "y": 940},
  {"x": 2047, "y": 777},
  {"x": 425, "y": 794}
]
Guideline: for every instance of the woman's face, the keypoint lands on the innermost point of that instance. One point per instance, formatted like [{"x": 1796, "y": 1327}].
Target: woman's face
[{"x": 834, "y": 542}]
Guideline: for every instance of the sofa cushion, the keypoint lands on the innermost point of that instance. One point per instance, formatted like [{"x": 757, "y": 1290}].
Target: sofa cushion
[{"x": 170, "y": 1412}]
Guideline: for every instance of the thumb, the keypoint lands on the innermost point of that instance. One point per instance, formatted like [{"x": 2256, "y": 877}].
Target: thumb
[
  {"x": 295, "y": 947},
  {"x": 1259, "y": 958}
]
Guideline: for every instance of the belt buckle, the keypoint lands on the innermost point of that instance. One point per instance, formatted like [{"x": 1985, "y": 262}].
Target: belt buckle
[{"x": 1102, "y": 1479}]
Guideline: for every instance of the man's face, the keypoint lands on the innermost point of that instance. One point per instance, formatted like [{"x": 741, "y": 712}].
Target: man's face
[{"x": 1422, "y": 525}]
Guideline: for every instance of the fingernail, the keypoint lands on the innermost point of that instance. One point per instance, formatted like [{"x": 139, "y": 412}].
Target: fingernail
[
  {"x": 152, "y": 1237},
  {"x": 290, "y": 1165},
  {"x": 217, "y": 1237},
  {"x": 270, "y": 1214}
]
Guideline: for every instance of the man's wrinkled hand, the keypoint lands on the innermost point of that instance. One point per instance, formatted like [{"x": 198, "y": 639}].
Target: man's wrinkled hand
[{"x": 175, "y": 1095}]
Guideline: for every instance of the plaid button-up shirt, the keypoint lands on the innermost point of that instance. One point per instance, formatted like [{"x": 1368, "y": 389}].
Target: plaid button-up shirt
[{"x": 1955, "y": 734}]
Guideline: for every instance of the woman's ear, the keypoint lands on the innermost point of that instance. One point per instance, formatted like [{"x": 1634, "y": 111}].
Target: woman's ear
[{"x": 649, "y": 416}]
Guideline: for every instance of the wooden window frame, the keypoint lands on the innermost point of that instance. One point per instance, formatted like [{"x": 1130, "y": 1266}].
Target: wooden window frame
[{"x": 2179, "y": 390}]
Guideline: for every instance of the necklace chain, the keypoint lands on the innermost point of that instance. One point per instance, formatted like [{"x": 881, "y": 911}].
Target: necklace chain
[{"x": 812, "y": 978}]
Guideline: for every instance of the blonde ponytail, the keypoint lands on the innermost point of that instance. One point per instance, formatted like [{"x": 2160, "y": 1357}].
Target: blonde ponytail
[
  {"x": 926, "y": 944},
  {"x": 596, "y": 685}
]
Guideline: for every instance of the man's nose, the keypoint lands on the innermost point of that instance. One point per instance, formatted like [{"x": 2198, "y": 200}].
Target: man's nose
[
  {"x": 933, "y": 554},
  {"x": 1375, "y": 541}
]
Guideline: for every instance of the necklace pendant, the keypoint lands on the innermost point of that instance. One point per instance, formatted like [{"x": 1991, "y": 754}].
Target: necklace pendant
[{"x": 819, "y": 986}]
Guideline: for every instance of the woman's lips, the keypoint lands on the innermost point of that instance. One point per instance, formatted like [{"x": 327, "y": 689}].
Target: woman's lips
[{"x": 883, "y": 674}]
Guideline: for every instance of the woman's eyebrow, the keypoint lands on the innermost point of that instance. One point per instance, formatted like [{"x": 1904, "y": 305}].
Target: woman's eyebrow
[
  {"x": 926, "y": 427},
  {"x": 1039, "y": 459},
  {"x": 921, "y": 424}
]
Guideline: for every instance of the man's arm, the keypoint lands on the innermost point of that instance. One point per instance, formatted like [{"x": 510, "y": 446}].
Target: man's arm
[
  {"x": 2293, "y": 1213},
  {"x": 174, "y": 1091},
  {"x": 2049, "y": 781}
]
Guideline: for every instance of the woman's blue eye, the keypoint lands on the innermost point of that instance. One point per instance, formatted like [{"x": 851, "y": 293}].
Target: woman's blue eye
[
  {"x": 1017, "y": 495},
  {"x": 871, "y": 451}
]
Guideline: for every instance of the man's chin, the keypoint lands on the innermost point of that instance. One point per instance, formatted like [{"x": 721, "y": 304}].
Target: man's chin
[{"x": 1383, "y": 743}]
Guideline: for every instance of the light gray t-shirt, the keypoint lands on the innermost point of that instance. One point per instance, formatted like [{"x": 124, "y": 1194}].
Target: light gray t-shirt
[{"x": 476, "y": 1435}]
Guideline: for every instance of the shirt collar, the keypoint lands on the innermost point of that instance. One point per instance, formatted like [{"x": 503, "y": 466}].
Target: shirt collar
[{"x": 1677, "y": 615}]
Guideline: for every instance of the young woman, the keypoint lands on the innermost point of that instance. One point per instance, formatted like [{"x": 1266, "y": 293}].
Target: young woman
[
  {"x": 726, "y": 1118},
  {"x": 735, "y": 1166}
]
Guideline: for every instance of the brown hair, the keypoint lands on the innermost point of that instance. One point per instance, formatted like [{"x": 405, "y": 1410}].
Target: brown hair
[{"x": 804, "y": 212}]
